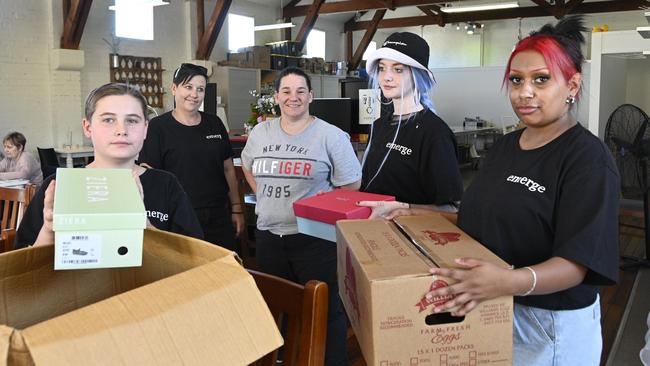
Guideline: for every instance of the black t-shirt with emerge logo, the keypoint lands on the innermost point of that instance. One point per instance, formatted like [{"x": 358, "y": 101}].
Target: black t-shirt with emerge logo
[
  {"x": 421, "y": 166},
  {"x": 167, "y": 206},
  {"x": 195, "y": 154},
  {"x": 559, "y": 200}
]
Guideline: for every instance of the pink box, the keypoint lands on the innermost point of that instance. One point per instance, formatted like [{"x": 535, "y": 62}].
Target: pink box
[{"x": 317, "y": 215}]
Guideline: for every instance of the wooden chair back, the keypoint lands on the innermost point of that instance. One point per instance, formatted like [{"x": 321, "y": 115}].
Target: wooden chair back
[
  {"x": 303, "y": 309},
  {"x": 14, "y": 202},
  {"x": 246, "y": 242}
]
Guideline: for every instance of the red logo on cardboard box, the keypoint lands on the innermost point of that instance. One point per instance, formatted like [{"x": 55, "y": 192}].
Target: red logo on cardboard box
[
  {"x": 442, "y": 238},
  {"x": 351, "y": 285},
  {"x": 424, "y": 303}
]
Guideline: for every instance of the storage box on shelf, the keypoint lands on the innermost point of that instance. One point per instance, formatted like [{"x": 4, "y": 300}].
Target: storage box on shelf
[
  {"x": 254, "y": 56},
  {"x": 143, "y": 72},
  {"x": 285, "y": 48}
]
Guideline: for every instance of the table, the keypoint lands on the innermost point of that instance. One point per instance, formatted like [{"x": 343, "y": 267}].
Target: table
[
  {"x": 74, "y": 152},
  {"x": 13, "y": 183},
  {"x": 460, "y": 131}
]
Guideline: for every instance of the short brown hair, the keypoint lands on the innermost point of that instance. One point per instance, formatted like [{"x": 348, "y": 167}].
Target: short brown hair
[
  {"x": 113, "y": 89},
  {"x": 17, "y": 139}
]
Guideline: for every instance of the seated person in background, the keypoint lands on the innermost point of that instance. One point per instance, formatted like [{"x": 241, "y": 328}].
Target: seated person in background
[
  {"x": 115, "y": 120},
  {"x": 18, "y": 163}
]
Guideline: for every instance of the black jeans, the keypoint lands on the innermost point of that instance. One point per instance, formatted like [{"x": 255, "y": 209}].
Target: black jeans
[
  {"x": 216, "y": 223},
  {"x": 300, "y": 258}
]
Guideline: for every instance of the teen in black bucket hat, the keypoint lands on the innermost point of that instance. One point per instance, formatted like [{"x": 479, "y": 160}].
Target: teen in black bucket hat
[
  {"x": 411, "y": 152},
  {"x": 404, "y": 47}
]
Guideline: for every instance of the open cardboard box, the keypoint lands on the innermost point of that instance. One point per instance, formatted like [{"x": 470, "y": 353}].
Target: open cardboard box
[
  {"x": 190, "y": 303},
  {"x": 383, "y": 278}
]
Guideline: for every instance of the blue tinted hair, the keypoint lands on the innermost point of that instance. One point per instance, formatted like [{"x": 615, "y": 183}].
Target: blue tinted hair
[{"x": 422, "y": 84}]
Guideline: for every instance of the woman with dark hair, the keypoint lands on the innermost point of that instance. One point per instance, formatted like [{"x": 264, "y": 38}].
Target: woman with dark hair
[
  {"x": 545, "y": 201},
  {"x": 411, "y": 152},
  {"x": 115, "y": 119},
  {"x": 286, "y": 159},
  {"x": 195, "y": 147},
  {"x": 18, "y": 163}
]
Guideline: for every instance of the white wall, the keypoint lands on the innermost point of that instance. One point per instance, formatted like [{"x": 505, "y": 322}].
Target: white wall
[
  {"x": 614, "y": 81},
  {"x": 24, "y": 70},
  {"x": 477, "y": 92},
  {"x": 638, "y": 83},
  {"x": 45, "y": 103}
]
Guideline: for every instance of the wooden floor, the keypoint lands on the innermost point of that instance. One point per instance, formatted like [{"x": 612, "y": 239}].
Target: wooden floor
[{"x": 613, "y": 300}]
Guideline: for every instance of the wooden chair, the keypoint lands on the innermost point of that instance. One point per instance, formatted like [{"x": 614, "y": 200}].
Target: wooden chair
[
  {"x": 303, "y": 309},
  {"x": 14, "y": 202},
  {"x": 246, "y": 242},
  {"x": 633, "y": 221}
]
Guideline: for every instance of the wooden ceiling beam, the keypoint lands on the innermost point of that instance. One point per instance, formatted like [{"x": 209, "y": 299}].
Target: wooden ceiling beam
[
  {"x": 74, "y": 21},
  {"x": 308, "y": 23},
  {"x": 200, "y": 18},
  {"x": 209, "y": 37},
  {"x": 435, "y": 13},
  {"x": 549, "y": 8},
  {"x": 367, "y": 37},
  {"x": 568, "y": 7},
  {"x": 526, "y": 12},
  {"x": 286, "y": 33},
  {"x": 354, "y": 5}
]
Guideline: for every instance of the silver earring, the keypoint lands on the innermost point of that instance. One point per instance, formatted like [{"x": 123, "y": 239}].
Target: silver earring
[{"x": 570, "y": 100}]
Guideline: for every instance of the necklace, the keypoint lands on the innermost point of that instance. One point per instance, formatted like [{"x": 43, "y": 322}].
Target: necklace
[
  {"x": 192, "y": 120},
  {"x": 294, "y": 128}
]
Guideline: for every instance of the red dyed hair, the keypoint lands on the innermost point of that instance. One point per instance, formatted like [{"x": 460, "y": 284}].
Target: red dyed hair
[{"x": 556, "y": 57}]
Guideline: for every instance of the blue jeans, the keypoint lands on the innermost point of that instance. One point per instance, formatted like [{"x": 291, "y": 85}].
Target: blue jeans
[{"x": 557, "y": 337}]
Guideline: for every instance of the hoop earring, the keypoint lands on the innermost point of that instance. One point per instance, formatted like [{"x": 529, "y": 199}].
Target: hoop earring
[{"x": 570, "y": 100}]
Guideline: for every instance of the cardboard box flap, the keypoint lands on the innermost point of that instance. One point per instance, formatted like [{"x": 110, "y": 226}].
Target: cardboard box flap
[
  {"x": 338, "y": 204},
  {"x": 97, "y": 199},
  {"x": 440, "y": 238},
  {"x": 158, "y": 324},
  {"x": 190, "y": 303},
  {"x": 379, "y": 246},
  {"x": 5, "y": 339}
]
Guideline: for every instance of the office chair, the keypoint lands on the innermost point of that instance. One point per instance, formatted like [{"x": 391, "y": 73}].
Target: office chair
[{"x": 49, "y": 161}]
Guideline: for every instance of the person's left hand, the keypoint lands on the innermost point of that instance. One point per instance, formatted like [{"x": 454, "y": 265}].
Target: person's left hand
[
  {"x": 477, "y": 281},
  {"x": 385, "y": 209},
  {"x": 238, "y": 222}
]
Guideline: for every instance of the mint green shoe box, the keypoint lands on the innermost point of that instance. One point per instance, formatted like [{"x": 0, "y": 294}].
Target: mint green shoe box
[{"x": 99, "y": 218}]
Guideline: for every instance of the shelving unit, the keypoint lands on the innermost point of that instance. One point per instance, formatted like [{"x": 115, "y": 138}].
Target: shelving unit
[
  {"x": 143, "y": 72},
  {"x": 323, "y": 85}
]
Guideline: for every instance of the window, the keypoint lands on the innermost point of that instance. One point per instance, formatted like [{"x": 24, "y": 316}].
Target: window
[
  {"x": 372, "y": 46},
  {"x": 241, "y": 32},
  {"x": 134, "y": 18},
  {"x": 316, "y": 44}
]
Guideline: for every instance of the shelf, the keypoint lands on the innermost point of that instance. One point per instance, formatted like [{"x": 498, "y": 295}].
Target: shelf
[
  {"x": 145, "y": 73},
  {"x": 644, "y": 32}
]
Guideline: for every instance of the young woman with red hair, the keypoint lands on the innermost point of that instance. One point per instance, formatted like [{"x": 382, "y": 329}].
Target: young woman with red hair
[{"x": 546, "y": 201}]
